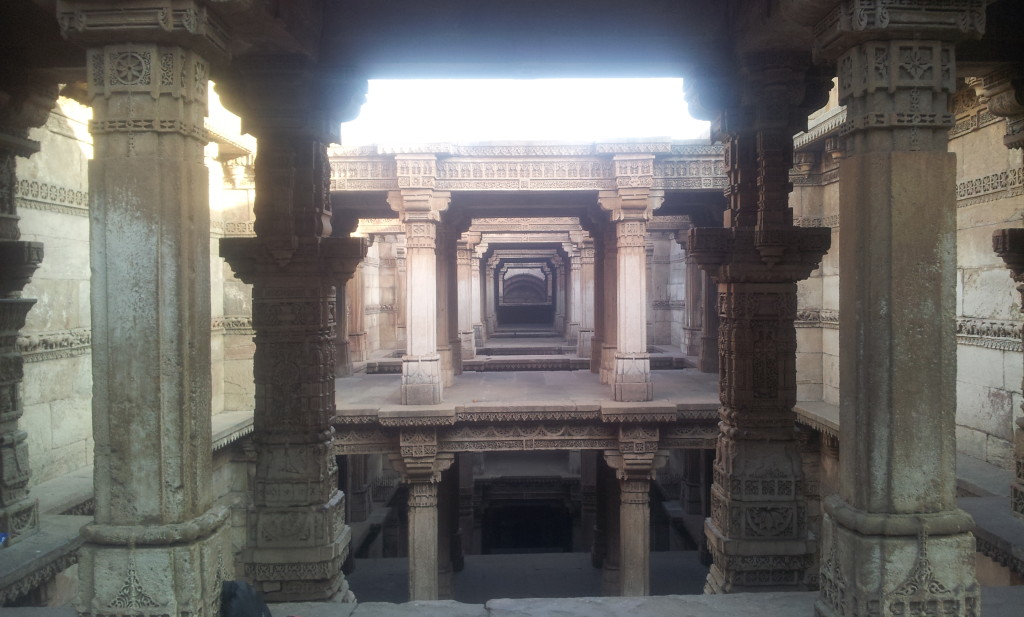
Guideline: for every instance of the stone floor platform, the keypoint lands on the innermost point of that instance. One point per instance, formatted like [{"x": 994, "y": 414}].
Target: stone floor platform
[
  {"x": 687, "y": 388},
  {"x": 995, "y": 602}
]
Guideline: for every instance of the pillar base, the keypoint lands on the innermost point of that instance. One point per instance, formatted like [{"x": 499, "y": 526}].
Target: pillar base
[
  {"x": 182, "y": 577},
  {"x": 572, "y": 333},
  {"x": 632, "y": 378},
  {"x": 467, "y": 341},
  {"x": 342, "y": 358},
  {"x": 583, "y": 340},
  {"x": 757, "y": 566},
  {"x": 357, "y": 347},
  {"x": 867, "y": 574},
  {"x": 300, "y": 574},
  {"x": 422, "y": 382}
]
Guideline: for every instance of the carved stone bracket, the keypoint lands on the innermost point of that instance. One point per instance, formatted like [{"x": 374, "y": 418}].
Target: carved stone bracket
[{"x": 1002, "y": 91}]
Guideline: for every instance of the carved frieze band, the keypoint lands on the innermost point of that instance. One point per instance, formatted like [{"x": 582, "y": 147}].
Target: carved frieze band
[
  {"x": 38, "y": 347},
  {"x": 998, "y": 185},
  {"x": 989, "y": 333},
  {"x": 696, "y": 172},
  {"x": 817, "y": 221},
  {"x": 51, "y": 198}
]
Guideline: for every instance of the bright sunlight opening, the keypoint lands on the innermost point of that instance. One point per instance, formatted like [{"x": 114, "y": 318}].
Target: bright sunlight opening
[{"x": 478, "y": 110}]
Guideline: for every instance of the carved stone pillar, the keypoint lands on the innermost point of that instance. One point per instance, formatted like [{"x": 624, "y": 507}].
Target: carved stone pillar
[
  {"x": 559, "y": 297},
  {"x": 588, "y": 497},
  {"x": 491, "y": 286},
  {"x": 420, "y": 211},
  {"x": 467, "y": 338},
  {"x": 477, "y": 290},
  {"x": 757, "y": 532},
  {"x": 605, "y": 352},
  {"x": 357, "y": 316},
  {"x": 597, "y": 339},
  {"x": 1009, "y": 245},
  {"x": 573, "y": 293},
  {"x": 708, "y": 353},
  {"x": 157, "y": 545},
  {"x": 634, "y": 463},
  {"x": 893, "y": 539},
  {"x": 445, "y": 260},
  {"x": 27, "y": 104},
  {"x": 692, "y": 487},
  {"x": 586, "y": 302},
  {"x": 610, "y": 550},
  {"x": 342, "y": 355},
  {"x": 421, "y": 467},
  {"x": 297, "y": 534},
  {"x": 630, "y": 208}
]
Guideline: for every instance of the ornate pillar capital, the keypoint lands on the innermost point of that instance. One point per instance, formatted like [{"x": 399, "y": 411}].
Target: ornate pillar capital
[
  {"x": 419, "y": 204},
  {"x": 291, "y": 96},
  {"x": 853, "y": 22},
  {"x": 1002, "y": 91},
  {"x": 182, "y": 23}
]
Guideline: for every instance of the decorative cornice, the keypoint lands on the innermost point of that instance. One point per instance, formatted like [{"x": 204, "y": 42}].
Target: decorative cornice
[
  {"x": 827, "y": 124},
  {"x": 56, "y": 345}
]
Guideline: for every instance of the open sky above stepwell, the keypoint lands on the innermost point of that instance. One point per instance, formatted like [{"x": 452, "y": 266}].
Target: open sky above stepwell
[{"x": 561, "y": 110}]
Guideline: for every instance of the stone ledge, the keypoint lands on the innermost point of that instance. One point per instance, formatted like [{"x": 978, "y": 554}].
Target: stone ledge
[{"x": 996, "y": 602}]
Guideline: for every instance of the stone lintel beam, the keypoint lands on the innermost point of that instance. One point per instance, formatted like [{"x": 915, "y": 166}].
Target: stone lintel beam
[
  {"x": 1009, "y": 245},
  {"x": 1002, "y": 91}
]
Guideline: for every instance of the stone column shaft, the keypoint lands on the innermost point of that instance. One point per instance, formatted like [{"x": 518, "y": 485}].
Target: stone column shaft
[
  {"x": 444, "y": 262},
  {"x": 467, "y": 338},
  {"x": 422, "y": 375},
  {"x": 897, "y": 491},
  {"x": 757, "y": 532},
  {"x": 297, "y": 533},
  {"x": 573, "y": 293},
  {"x": 609, "y": 306},
  {"x": 421, "y": 467},
  {"x": 626, "y": 363},
  {"x": 587, "y": 300},
  {"x": 476, "y": 299},
  {"x": 157, "y": 546},
  {"x": 357, "y": 316}
]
